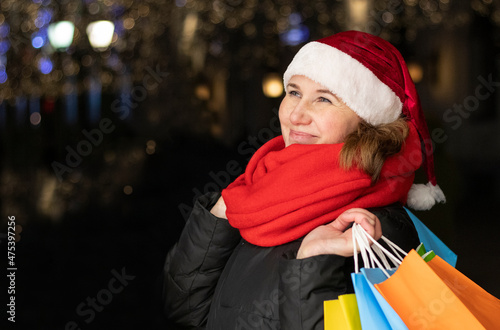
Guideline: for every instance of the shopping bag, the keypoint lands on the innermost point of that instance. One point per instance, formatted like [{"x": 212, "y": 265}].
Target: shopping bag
[
  {"x": 375, "y": 275},
  {"x": 374, "y": 312},
  {"x": 431, "y": 241},
  {"x": 342, "y": 313},
  {"x": 381, "y": 308},
  {"x": 434, "y": 295}
]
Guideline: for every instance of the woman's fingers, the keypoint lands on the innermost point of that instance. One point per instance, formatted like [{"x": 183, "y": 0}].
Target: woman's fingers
[{"x": 366, "y": 219}]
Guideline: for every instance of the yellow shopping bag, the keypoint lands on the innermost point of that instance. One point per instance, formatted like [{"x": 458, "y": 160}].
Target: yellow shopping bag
[{"x": 342, "y": 313}]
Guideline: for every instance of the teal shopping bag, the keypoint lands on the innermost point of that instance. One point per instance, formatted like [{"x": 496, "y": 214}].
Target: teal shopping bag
[{"x": 432, "y": 242}]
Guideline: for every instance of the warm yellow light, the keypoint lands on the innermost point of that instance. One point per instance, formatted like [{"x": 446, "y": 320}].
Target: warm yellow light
[
  {"x": 358, "y": 11},
  {"x": 128, "y": 23},
  {"x": 416, "y": 72},
  {"x": 202, "y": 92},
  {"x": 188, "y": 32},
  {"x": 100, "y": 34},
  {"x": 150, "y": 147},
  {"x": 128, "y": 190},
  {"x": 272, "y": 85}
]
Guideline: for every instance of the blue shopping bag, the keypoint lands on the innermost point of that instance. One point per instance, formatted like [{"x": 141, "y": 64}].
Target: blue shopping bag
[
  {"x": 374, "y": 312},
  {"x": 375, "y": 276},
  {"x": 432, "y": 242}
]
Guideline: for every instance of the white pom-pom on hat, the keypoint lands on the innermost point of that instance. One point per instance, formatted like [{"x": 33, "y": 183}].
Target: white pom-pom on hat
[{"x": 422, "y": 197}]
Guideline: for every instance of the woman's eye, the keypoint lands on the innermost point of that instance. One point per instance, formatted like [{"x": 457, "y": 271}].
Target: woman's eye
[
  {"x": 294, "y": 93},
  {"x": 324, "y": 99}
]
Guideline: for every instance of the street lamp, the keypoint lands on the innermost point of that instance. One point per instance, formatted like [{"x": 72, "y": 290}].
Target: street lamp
[
  {"x": 100, "y": 34},
  {"x": 61, "y": 37},
  {"x": 61, "y": 34}
]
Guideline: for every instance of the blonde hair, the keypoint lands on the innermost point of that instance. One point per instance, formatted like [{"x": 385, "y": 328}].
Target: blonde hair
[{"x": 369, "y": 146}]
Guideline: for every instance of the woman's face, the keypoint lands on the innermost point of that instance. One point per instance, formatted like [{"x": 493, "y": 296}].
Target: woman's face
[{"x": 311, "y": 114}]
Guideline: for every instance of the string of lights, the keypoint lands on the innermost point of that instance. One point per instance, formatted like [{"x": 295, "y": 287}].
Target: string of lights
[{"x": 30, "y": 63}]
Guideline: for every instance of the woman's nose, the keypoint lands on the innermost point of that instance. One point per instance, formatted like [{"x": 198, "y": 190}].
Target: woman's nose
[{"x": 300, "y": 114}]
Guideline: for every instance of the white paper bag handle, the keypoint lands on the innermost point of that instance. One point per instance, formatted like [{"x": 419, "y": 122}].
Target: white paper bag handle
[{"x": 361, "y": 240}]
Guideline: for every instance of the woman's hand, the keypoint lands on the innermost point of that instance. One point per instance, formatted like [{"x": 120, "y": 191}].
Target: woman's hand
[
  {"x": 219, "y": 209},
  {"x": 333, "y": 238}
]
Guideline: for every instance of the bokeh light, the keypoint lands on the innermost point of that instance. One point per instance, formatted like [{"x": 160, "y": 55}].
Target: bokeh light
[
  {"x": 128, "y": 190},
  {"x": 61, "y": 34},
  {"x": 100, "y": 34},
  {"x": 35, "y": 118},
  {"x": 3, "y": 77},
  {"x": 180, "y": 3},
  {"x": 4, "y": 46},
  {"x": 295, "y": 36},
  {"x": 37, "y": 41},
  {"x": 272, "y": 85},
  {"x": 43, "y": 18},
  {"x": 150, "y": 147},
  {"x": 45, "y": 65}
]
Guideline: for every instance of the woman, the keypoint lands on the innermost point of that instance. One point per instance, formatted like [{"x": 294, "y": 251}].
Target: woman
[{"x": 276, "y": 243}]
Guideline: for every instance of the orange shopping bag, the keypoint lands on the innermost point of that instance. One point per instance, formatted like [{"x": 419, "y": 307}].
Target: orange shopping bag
[{"x": 434, "y": 295}]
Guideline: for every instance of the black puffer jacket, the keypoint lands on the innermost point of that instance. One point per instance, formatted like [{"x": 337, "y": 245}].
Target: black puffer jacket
[{"x": 213, "y": 279}]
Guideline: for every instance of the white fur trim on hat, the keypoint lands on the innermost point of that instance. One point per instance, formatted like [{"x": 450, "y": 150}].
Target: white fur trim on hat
[{"x": 347, "y": 78}]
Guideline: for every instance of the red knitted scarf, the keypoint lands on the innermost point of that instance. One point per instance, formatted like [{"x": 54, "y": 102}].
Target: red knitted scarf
[{"x": 286, "y": 192}]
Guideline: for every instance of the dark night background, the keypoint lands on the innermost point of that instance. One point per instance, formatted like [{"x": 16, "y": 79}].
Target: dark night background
[{"x": 103, "y": 150}]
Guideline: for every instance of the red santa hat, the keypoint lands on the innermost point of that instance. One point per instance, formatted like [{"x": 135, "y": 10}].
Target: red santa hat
[{"x": 371, "y": 77}]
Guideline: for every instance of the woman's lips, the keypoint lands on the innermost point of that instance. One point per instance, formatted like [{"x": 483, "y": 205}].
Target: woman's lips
[{"x": 301, "y": 137}]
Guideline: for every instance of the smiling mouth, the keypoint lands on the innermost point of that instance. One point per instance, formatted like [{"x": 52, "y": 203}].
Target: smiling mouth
[{"x": 301, "y": 137}]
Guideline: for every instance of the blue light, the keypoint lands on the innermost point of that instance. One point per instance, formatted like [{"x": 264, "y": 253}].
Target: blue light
[
  {"x": 39, "y": 22},
  {"x": 39, "y": 38},
  {"x": 117, "y": 10},
  {"x": 3, "y": 77},
  {"x": 295, "y": 36},
  {"x": 180, "y": 3},
  {"x": 34, "y": 104},
  {"x": 114, "y": 61},
  {"x": 43, "y": 18},
  {"x": 45, "y": 65},
  {"x": 38, "y": 42},
  {"x": 4, "y": 46},
  {"x": 119, "y": 29}
]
